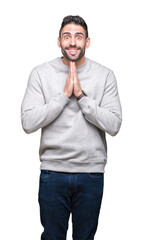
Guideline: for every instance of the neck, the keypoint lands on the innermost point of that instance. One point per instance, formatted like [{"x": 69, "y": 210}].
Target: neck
[{"x": 78, "y": 63}]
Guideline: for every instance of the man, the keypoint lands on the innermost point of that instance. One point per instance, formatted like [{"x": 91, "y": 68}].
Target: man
[{"x": 75, "y": 102}]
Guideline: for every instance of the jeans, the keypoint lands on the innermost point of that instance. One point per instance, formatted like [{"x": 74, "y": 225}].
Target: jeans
[{"x": 63, "y": 193}]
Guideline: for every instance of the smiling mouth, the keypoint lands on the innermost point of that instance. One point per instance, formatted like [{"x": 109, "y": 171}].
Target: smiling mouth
[{"x": 72, "y": 51}]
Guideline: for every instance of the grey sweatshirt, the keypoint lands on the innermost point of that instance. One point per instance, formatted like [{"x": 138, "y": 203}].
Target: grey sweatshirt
[{"x": 72, "y": 131}]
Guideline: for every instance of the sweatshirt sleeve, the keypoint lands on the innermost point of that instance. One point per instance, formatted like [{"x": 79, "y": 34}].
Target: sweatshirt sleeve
[
  {"x": 108, "y": 115},
  {"x": 35, "y": 113}
]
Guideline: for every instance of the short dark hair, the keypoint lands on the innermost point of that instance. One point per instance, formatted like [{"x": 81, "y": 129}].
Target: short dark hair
[{"x": 76, "y": 20}]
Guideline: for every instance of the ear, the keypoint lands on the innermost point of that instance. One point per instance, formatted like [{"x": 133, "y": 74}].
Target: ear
[
  {"x": 59, "y": 42},
  {"x": 87, "y": 42}
]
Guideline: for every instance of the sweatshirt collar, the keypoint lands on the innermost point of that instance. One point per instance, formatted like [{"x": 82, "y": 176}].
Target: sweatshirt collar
[{"x": 79, "y": 69}]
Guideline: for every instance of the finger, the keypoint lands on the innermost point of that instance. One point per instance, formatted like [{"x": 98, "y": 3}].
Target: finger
[
  {"x": 71, "y": 70},
  {"x": 74, "y": 71},
  {"x": 76, "y": 79},
  {"x": 72, "y": 67}
]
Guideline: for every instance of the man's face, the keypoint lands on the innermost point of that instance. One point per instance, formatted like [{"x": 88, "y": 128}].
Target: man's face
[{"x": 73, "y": 42}]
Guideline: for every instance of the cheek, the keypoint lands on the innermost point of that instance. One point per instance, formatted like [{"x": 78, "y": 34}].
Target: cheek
[
  {"x": 64, "y": 44},
  {"x": 81, "y": 44}
]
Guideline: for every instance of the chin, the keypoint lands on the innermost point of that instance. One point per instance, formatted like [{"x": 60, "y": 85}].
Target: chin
[{"x": 74, "y": 59}]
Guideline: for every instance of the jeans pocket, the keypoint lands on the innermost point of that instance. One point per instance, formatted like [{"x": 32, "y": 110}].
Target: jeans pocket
[
  {"x": 45, "y": 174},
  {"x": 95, "y": 175}
]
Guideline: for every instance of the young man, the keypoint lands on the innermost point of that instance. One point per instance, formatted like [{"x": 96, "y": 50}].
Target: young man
[{"x": 75, "y": 102}]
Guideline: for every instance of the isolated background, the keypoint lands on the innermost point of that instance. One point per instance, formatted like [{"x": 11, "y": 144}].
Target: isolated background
[{"x": 29, "y": 31}]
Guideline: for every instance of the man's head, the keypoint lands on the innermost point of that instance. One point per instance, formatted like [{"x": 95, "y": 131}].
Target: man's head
[
  {"x": 74, "y": 20},
  {"x": 73, "y": 39}
]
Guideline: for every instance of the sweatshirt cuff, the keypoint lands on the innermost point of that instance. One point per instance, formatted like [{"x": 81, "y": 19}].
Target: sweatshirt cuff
[
  {"x": 85, "y": 104},
  {"x": 63, "y": 99}
]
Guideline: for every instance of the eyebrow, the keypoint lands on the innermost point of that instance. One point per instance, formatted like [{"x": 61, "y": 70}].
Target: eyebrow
[{"x": 74, "y": 34}]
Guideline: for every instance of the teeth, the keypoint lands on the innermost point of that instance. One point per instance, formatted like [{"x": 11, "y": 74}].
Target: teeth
[{"x": 72, "y": 50}]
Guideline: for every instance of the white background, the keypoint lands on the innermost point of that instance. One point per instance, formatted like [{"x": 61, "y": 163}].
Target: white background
[{"x": 29, "y": 31}]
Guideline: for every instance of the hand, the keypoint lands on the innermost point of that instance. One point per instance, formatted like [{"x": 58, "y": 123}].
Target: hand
[
  {"x": 76, "y": 87},
  {"x": 72, "y": 84},
  {"x": 68, "y": 90}
]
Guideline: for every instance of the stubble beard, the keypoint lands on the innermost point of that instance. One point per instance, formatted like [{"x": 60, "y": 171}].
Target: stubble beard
[{"x": 81, "y": 54}]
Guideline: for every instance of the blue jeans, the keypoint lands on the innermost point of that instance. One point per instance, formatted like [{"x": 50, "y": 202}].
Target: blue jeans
[{"x": 63, "y": 193}]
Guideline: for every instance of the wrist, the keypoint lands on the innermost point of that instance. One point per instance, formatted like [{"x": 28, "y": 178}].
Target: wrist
[
  {"x": 67, "y": 95},
  {"x": 83, "y": 94}
]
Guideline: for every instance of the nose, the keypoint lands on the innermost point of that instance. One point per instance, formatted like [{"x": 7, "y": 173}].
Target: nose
[{"x": 73, "y": 41}]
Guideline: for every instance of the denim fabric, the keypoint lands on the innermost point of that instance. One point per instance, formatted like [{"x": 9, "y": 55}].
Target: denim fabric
[{"x": 63, "y": 193}]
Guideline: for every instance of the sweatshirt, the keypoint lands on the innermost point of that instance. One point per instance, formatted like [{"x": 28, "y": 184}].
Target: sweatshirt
[{"x": 73, "y": 132}]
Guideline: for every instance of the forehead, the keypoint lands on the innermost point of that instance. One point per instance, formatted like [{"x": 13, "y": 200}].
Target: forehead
[{"x": 73, "y": 28}]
